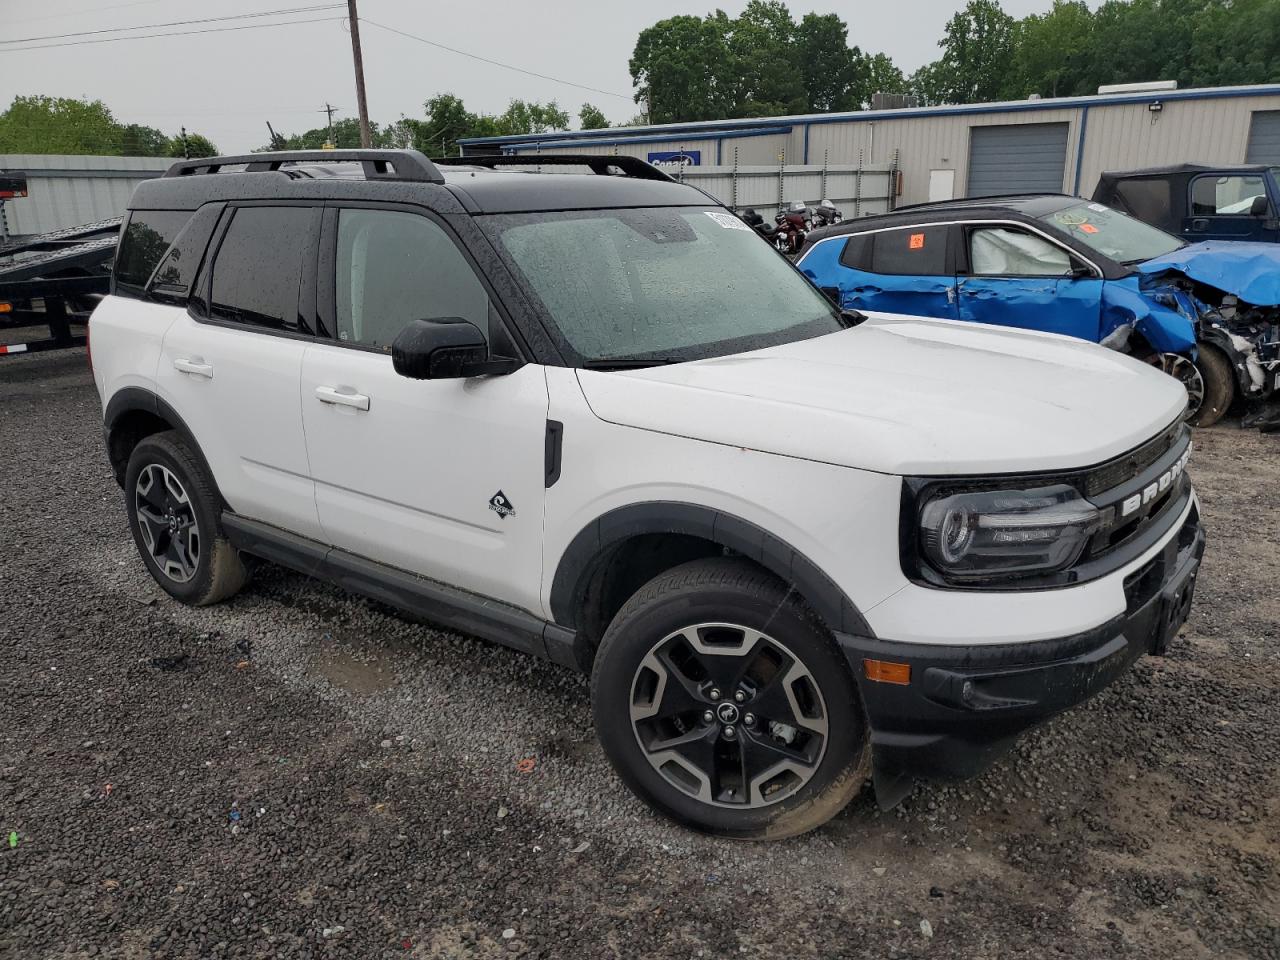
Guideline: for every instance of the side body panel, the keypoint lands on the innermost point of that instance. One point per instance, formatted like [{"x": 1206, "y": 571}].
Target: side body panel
[{"x": 126, "y": 337}]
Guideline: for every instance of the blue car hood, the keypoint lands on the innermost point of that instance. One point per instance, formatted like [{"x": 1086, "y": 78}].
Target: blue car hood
[{"x": 1251, "y": 271}]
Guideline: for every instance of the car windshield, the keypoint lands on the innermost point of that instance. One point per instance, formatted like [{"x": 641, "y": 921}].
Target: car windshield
[
  {"x": 1112, "y": 233},
  {"x": 659, "y": 284}
]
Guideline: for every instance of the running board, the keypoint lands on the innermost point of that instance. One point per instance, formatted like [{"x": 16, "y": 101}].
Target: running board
[{"x": 448, "y": 606}]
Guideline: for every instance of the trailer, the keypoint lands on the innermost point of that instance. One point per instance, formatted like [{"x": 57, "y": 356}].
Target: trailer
[{"x": 55, "y": 280}]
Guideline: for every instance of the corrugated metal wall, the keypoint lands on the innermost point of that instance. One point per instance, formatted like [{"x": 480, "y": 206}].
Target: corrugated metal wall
[{"x": 64, "y": 191}]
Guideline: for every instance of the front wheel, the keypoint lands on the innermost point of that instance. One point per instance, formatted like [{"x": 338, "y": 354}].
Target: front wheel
[
  {"x": 1208, "y": 380},
  {"x": 723, "y": 703}
]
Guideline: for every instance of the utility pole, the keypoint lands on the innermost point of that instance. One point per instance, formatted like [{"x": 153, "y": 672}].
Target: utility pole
[
  {"x": 361, "y": 104},
  {"x": 328, "y": 109},
  {"x": 186, "y": 149}
]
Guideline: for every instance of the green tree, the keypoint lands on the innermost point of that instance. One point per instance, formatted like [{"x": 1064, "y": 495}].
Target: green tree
[
  {"x": 762, "y": 46},
  {"x": 38, "y": 124},
  {"x": 193, "y": 145},
  {"x": 680, "y": 67},
  {"x": 833, "y": 73},
  {"x": 591, "y": 118},
  {"x": 1051, "y": 55},
  {"x": 977, "y": 48},
  {"x": 882, "y": 76}
]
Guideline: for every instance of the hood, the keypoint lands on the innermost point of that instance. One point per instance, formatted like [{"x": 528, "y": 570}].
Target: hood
[
  {"x": 1251, "y": 271},
  {"x": 904, "y": 395}
]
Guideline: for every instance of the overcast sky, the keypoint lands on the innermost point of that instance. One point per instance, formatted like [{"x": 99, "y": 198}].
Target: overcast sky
[{"x": 226, "y": 85}]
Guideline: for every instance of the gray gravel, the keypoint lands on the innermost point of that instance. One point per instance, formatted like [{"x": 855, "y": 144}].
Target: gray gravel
[{"x": 300, "y": 773}]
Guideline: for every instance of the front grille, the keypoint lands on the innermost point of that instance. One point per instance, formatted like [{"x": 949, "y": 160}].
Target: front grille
[{"x": 1114, "y": 473}]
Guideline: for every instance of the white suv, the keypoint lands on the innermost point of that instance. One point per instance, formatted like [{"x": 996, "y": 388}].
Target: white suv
[{"x": 593, "y": 416}]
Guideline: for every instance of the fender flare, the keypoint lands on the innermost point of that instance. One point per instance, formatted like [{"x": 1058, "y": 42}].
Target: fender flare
[
  {"x": 130, "y": 399},
  {"x": 568, "y": 587}
]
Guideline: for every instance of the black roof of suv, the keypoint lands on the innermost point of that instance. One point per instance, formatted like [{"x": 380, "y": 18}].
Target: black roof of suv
[{"x": 477, "y": 185}]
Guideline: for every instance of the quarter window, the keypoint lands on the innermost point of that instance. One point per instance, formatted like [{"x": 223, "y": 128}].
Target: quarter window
[
  {"x": 144, "y": 242},
  {"x": 1225, "y": 196},
  {"x": 998, "y": 251},
  {"x": 258, "y": 268},
  {"x": 393, "y": 268},
  {"x": 911, "y": 251}
]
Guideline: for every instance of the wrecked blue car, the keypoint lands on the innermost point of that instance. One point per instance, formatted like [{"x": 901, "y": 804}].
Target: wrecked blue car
[{"x": 1207, "y": 313}]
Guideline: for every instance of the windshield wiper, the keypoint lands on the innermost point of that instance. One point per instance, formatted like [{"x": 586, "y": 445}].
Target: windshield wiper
[{"x": 626, "y": 363}]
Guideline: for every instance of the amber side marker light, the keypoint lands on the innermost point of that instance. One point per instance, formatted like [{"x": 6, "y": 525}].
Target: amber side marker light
[
  {"x": 885, "y": 671},
  {"x": 6, "y": 307}
]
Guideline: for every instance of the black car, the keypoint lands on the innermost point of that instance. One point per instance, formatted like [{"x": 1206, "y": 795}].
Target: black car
[{"x": 1199, "y": 202}]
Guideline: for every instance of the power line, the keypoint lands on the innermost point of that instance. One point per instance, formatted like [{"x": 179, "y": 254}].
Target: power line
[
  {"x": 178, "y": 23},
  {"x": 496, "y": 63},
  {"x": 176, "y": 33}
]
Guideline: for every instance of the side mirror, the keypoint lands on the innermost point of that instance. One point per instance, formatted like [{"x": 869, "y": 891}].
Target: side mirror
[
  {"x": 1081, "y": 271},
  {"x": 445, "y": 348},
  {"x": 1259, "y": 206}
]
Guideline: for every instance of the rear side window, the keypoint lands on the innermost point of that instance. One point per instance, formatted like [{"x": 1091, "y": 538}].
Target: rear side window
[
  {"x": 1148, "y": 199},
  {"x": 172, "y": 280},
  {"x": 911, "y": 251},
  {"x": 856, "y": 254},
  {"x": 258, "y": 268},
  {"x": 144, "y": 241}
]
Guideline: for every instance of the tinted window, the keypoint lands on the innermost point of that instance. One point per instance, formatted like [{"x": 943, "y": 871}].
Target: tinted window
[
  {"x": 177, "y": 271},
  {"x": 857, "y": 252},
  {"x": 144, "y": 242},
  {"x": 1148, "y": 199},
  {"x": 397, "y": 267},
  {"x": 259, "y": 267},
  {"x": 1000, "y": 251},
  {"x": 1224, "y": 196},
  {"x": 911, "y": 251}
]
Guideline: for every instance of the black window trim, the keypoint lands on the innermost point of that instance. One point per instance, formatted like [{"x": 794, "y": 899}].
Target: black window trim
[
  {"x": 327, "y": 263},
  {"x": 198, "y": 302},
  {"x": 135, "y": 291},
  {"x": 963, "y": 255},
  {"x": 1191, "y": 195}
]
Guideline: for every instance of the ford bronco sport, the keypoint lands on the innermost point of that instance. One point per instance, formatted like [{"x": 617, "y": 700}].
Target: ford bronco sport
[{"x": 583, "y": 411}]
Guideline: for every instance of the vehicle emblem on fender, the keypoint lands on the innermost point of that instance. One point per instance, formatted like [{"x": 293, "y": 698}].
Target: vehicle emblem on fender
[{"x": 500, "y": 505}]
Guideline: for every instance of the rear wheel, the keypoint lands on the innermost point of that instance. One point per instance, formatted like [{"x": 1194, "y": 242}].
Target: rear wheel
[
  {"x": 725, "y": 705},
  {"x": 174, "y": 517}
]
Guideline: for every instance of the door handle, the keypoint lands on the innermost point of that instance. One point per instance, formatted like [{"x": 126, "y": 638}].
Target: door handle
[
  {"x": 197, "y": 368},
  {"x": 342, "y": 397}
]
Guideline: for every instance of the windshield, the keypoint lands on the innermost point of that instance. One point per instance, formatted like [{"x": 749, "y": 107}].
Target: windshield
[
  {"x": 659, "y": 284},
  {"x": 1112, "y": 233}
]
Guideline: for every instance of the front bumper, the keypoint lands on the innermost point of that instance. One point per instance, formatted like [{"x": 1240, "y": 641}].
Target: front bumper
[{"x": 965, "y": 704}]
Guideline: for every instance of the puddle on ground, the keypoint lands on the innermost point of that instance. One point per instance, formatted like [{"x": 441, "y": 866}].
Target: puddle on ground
[{"x": 360, "y": 678}]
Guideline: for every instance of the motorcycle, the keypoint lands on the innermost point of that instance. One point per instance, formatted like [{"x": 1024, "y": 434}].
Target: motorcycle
[
  {"x": 826, "y": 214},
  {"x": 792, "y": 227},
  {"x": 758, "y": 223}
]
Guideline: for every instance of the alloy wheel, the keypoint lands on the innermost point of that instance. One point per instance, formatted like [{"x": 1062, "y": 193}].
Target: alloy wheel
[
  {"x": 167, "y": 521},
  {"x": 1186, "y": 372},
  {"x": 728, "y": 715}
]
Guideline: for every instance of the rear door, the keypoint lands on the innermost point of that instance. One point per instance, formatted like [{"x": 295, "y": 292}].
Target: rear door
[
  {"x": 443, "y": 478},
  {"x": 1220, "y": 208},
  {"x": 1015, "y": 277},
  {"x": 230, "y": 366},
  {"x": 902, "y": 270}
]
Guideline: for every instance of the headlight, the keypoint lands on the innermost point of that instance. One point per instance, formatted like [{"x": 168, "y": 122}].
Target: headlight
[{"x": 986, "y": 535}]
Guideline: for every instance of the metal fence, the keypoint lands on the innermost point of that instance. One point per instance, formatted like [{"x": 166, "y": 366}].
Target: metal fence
[
  {"x": 63, "y": 191},
  {"x": 857, "y": 189}
]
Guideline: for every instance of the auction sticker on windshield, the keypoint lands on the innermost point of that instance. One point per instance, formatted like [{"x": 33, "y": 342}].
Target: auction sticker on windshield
[{"x": 727, "y": 220}]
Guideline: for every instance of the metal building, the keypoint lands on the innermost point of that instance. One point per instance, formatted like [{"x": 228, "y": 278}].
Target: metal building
[
  {"x": 1052, "y": 145},
  {"x": 65, "y": 191}
]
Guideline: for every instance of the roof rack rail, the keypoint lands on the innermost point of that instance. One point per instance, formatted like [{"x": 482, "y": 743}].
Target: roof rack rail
[
  {"x": 405, "y": 165},
  {"x": 630, "y": 166}
]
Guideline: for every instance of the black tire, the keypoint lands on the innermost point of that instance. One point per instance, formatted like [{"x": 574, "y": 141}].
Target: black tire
[
  {"x": 1219, "y": 386},
  {"x": 731, "y": 591},
  {"x": 216, "y": 569}
]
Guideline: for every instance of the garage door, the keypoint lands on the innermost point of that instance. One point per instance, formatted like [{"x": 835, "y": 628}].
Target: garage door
[
  {"x": 1017, "y": 158},
  {"x": 1264, "y": 137}
]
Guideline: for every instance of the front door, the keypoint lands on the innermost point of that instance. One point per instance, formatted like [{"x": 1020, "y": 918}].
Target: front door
[
  {"x": 443, "y": 478},
  {"x": 1234, "y": 207},
  {"x": 1016, "y": 278}
]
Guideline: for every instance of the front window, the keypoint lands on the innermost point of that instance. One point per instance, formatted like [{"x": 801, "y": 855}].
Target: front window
[
  {"x": 659, "y": 284},
  {"x": 1225, "y": 196},
  {"x": 1112, "y": 233}
]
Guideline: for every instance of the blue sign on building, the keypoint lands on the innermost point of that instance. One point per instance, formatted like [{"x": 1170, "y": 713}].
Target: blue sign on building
[{"x": 676, "y": 158}]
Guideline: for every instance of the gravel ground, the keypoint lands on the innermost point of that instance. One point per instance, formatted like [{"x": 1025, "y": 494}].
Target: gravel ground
[{"x": 299, "y": 773}]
